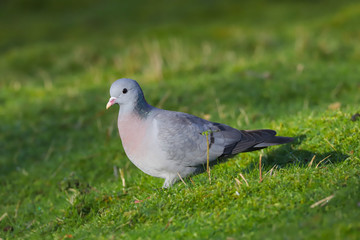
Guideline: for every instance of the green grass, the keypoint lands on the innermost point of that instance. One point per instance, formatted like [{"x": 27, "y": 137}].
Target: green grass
[{"x": 292, "y": 67}]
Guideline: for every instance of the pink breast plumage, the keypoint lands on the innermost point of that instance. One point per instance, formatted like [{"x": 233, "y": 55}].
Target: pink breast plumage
[{"x": 133, "y": 134}]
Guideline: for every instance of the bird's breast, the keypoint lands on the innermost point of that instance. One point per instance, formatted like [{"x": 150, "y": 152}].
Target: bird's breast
[
  {"x": 133, "y": 134},
  {"x": 139, "y": 139}
]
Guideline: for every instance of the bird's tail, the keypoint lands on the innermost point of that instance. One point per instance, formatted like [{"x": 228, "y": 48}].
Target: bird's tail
[{"x": 258, "y": 139}]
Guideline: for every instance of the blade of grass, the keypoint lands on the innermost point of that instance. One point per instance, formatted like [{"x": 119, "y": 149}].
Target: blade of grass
[{"x": 322, "y": 201}]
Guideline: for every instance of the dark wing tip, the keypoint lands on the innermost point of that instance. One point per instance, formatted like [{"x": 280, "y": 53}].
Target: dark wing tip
[{"x": 255, "y": 140}]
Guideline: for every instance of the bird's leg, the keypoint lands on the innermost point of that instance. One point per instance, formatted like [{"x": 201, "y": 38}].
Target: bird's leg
[{"x": 170, "y": 180}]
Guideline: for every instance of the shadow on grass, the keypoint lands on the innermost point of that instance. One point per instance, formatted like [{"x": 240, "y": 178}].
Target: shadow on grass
[{"x": 286, "y": 155}]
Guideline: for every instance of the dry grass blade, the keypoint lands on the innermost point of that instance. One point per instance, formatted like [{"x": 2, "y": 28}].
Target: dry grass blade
[
  {"x": 322, "y": 201},
  {"x": 244, "y": 179},
  {"x": 332, "y": 146},
  {"x": 238, "y": 182},
  {"x": 72, "y": 197},
  {"x": 115, "y": 170},
  {"x": 169, "y": 222},
  {"x": 206, "y": 133},
  {"x": 207, "y": 157},
  {"x": 49, "y": 152},
  {"x": 246, "y": 118},
  {"x": 17, "y": 209},
  {"x": 322, "y": 161},
  {"x": 121, "y": 171},
  {"x": 182, "y": 179},
  {"x": 260, "y": 180},
  {"x": 192, "y": 181},
  {"x": 3, "y": 216},
  {"x": 30, "y": 224},
  {"x": 270, "y": 172},
  {"x": 311, "y": 162}
]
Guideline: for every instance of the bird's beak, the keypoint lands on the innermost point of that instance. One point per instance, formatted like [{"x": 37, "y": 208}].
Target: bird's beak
[{"x": 111, "y": 102}]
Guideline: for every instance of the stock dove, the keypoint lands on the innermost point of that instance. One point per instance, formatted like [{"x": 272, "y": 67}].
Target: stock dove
[{"x": 167, "y": 144}]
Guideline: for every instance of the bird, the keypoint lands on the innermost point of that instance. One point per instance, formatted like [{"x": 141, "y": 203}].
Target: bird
[{"x": 174, "y": 145}]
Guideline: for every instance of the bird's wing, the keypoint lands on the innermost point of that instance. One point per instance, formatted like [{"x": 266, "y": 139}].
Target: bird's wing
[{"x": 183, "y": 137}]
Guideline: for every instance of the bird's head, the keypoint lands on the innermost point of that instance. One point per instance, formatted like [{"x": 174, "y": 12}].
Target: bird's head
[{"x": 125, "y": 91}]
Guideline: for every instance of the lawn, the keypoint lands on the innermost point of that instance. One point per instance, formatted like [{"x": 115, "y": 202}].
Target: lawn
[{"x": 291, "y": 66}]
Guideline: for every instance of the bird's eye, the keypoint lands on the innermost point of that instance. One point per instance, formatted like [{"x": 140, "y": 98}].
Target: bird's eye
[{"x": 125, "y": 90}]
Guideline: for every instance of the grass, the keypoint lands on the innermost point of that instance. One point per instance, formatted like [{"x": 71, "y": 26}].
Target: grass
[{"x": 291, "y": 67}]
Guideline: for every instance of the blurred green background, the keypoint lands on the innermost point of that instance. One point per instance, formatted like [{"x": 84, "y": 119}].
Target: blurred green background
[{"x": 288, "y": 65}]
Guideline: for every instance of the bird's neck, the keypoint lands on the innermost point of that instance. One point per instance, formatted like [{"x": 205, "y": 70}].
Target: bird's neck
[{"x": 140, "y": 109}]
